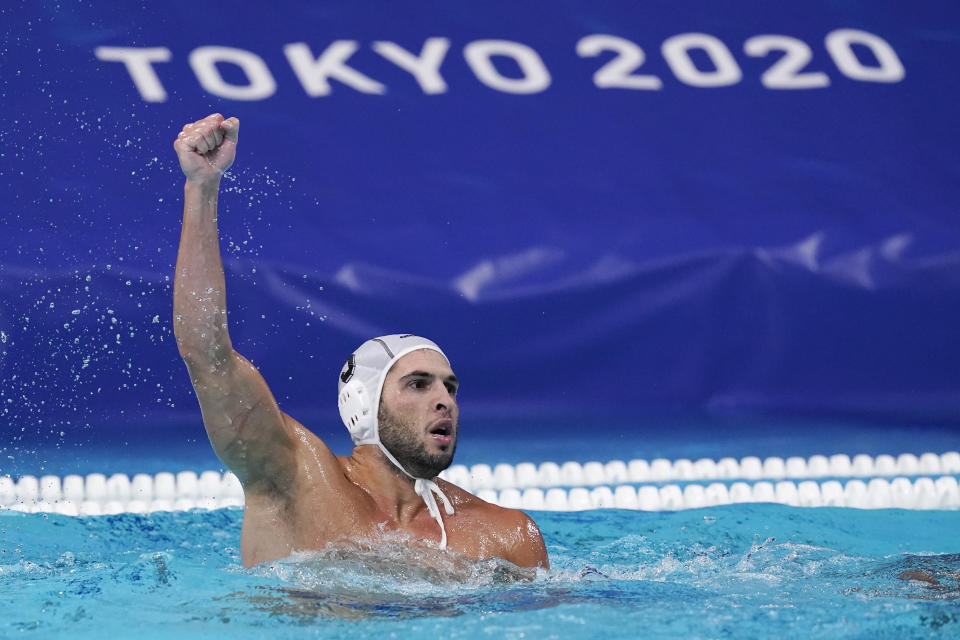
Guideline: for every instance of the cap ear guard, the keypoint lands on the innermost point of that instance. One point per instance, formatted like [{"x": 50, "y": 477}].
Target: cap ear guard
[{"x": 356, "y": 412}]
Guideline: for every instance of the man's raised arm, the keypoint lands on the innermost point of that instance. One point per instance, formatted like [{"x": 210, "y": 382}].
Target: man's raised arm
[{"x": 246, "y": 427}]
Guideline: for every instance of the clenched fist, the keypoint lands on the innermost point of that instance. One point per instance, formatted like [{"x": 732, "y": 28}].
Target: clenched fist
[{"x": 206, "y": 148}]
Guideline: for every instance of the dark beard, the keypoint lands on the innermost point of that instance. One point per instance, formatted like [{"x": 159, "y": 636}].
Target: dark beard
[{"x": 400, "y": 439}]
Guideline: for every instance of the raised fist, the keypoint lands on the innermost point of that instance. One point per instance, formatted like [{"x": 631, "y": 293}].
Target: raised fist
[{"x": 206, "y": 148}]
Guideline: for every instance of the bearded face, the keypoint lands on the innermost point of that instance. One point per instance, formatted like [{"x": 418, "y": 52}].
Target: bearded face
[{"x": 407, "y": 442}]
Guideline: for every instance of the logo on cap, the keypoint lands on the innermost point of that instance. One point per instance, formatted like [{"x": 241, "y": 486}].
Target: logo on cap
[{"x": 347, "y": 372}]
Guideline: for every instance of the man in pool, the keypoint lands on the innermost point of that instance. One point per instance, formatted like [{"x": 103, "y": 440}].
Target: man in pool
[{"x": 397, "y": 396}]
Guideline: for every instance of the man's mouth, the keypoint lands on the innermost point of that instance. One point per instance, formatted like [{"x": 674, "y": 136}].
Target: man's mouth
[{"x": 442, "y": 431}]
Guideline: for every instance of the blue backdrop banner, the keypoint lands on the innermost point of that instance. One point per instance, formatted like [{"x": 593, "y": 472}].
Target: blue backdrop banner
[{"x": 593, "y": 207}]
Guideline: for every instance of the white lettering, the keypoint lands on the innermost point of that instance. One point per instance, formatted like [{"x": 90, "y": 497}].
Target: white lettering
[
  {"x": 785, "y": 72},
  {"x": 260, "y": 86},
  {"x": 676, "y": 51},
  {"x": 313, "y": 72},
  {"x": 425, "y": 68},
  {"x": 618, "y": 73},
  {"x": 535, "y": 78},
  {"x": 138, "y": 63},
  {"x": 838, "y": 44},
  {"x": 516, "y": 68}
]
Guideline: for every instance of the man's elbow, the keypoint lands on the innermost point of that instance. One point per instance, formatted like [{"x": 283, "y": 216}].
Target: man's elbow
[
  {"x": 191, "y": 355},
  {"x": 201, "y": 344},
  {"x": 205, "y": 358}
]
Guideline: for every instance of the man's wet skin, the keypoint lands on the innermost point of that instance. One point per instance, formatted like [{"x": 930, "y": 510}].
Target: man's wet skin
[
  {"x": 298, "y": 494},
  {"x": 374, "y": 497}
]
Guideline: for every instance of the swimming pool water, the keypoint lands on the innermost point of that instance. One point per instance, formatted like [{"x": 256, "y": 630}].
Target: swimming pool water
[{"x": 748, "y": 570}]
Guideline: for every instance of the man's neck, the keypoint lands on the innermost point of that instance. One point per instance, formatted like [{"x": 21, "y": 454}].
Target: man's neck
[{"x": 389, "y": 487}]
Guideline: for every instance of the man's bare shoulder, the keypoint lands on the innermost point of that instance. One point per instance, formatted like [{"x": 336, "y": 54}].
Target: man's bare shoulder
[
  {"x": 466, "y": 501},
  {"x": 311, "y": 466},
  {"x": 515, "y": 532}
]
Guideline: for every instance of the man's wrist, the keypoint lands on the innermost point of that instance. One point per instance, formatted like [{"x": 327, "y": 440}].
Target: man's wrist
[{"x": 207, "y": 186}]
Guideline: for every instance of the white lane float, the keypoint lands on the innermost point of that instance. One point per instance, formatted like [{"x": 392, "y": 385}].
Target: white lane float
[{"x": 905, "y": 481}]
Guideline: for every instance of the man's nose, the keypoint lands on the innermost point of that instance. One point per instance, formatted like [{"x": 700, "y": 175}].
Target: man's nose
[{"x": 442, "y": 399}]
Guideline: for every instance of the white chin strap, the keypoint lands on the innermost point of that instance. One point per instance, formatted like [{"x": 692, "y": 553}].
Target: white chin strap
[{"x": 426, "y": 490}]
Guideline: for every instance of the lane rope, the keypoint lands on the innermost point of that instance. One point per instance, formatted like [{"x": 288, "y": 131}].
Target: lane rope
[{"x": 907, "y": 481}]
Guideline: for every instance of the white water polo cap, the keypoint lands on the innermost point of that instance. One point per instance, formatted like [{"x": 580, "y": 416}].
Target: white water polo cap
[
  {"x": 362, "y": 377},
  {"x": 358, "y": 398}
]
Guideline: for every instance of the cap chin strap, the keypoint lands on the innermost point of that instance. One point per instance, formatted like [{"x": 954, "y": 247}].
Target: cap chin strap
[{"x": 425, "y": 489}]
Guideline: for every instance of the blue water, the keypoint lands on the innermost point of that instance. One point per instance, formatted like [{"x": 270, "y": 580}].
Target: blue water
[{"x": 740, "y": 571}]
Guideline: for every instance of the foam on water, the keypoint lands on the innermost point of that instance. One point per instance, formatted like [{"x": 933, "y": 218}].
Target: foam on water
[
  {"x": 393, "y": 567},
  {"x": 742, "y": 570}
]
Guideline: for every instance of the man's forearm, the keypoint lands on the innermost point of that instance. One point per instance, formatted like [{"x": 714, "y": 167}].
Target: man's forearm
[{"x": 199, "y": 296}]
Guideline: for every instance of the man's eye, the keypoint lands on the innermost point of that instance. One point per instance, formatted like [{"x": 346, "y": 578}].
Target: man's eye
[{"x": 418, "y": 384}]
